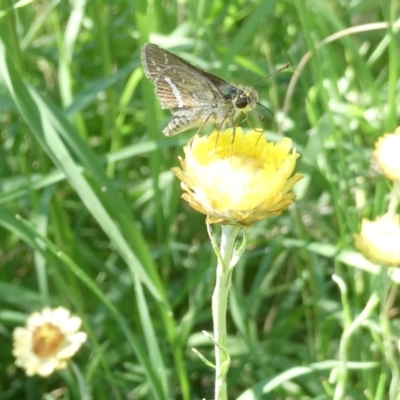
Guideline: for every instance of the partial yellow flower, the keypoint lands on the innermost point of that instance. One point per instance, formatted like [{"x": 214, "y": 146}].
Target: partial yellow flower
[
  {"x": 387, "y": 154},
  {"x": 237, "y": 183},
  {"x": 48, "y": 340},
  {"x": 379, "y": 240}
]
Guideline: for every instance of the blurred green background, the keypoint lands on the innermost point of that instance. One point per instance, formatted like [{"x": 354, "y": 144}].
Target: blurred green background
[{"x": 91, "y": 216}]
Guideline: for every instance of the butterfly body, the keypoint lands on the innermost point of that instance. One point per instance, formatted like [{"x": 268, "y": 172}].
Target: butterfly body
[{"x": 193, "y": 96}]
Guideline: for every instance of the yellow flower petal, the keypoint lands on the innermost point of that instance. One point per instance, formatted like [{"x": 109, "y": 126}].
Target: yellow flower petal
[
  {"x": 387, "y": 154},
  {"x": 48, "y": 340},
  {"x": 379, "y": 240},
  {"x": 237, "y": 182}
]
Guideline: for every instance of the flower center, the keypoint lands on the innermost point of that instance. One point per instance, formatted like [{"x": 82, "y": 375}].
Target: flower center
[{"x": 46, "y": 339}]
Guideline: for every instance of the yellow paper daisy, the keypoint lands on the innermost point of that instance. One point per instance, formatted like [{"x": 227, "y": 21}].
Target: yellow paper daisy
[
  {"x": 387, "y": 154},
  {"x": 237, "y": 183},
  {"x": 379, "y": 240},
  {"x": 48, "y": 340}
]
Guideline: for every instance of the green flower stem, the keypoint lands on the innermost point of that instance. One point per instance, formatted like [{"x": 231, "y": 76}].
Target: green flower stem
[
  {"x": 226, "y": 260},
  {"x": 387, "y": 296},
  {"x": 349, "y": 328},
  {"x": 394, "y": 198},
  {"x": 80, "y": 381}
]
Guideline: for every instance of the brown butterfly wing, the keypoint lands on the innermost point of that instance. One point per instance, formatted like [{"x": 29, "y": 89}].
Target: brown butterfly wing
[{"x": 177, "y": 83}]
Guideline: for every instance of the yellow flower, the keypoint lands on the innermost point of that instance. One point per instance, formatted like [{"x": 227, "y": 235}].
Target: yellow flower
[
  {"x": 237, "y": 183},
  {"x": 48, "y": 340},
  {"x": 379, "y": 240},
  {"x": 387, "y": 154}
]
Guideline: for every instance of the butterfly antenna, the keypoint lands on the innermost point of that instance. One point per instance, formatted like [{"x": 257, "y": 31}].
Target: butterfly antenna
[{"x": 286, "y": 66}]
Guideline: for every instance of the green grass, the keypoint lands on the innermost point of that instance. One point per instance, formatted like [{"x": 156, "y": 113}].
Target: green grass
[{"x": 91, "y": 216}]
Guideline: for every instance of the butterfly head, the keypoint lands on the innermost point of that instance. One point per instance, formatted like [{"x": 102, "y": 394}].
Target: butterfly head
[{"x": 246, "y": 99}]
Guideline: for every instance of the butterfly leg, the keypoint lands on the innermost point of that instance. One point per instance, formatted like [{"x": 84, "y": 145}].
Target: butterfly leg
[
  {"x": 203, "y": 123},
  {"x": 254, "y": 129},
  {"x": 233, "y": 124},
  {"x": 218, "y": 130}
]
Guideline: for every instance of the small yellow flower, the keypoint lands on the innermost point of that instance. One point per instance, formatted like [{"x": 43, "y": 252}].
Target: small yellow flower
[
  {"x": 237, "y": 183},
  {"x": 387, "y": 154},
  {"x": 48, "y": 340},
  {"x": 379, "y": 240}
]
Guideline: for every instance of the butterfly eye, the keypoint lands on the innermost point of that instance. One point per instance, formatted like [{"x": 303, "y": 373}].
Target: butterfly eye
[{"x": 241, "y": 102}]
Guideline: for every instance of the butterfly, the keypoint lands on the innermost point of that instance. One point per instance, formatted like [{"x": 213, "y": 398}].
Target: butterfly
[{"x": 194, "y": 96}]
